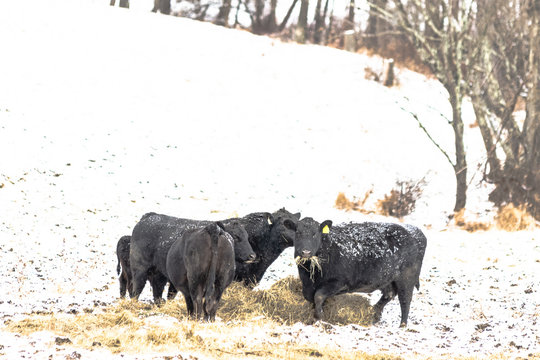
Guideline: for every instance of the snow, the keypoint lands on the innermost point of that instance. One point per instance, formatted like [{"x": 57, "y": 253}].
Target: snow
[{"x": 107, "y": 113}]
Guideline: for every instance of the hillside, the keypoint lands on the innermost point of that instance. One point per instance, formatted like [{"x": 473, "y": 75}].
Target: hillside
[{"x": 106, "y": 114}]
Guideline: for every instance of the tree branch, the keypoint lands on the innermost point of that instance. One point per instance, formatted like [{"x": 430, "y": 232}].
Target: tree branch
[{"x": 428, "y": 134}]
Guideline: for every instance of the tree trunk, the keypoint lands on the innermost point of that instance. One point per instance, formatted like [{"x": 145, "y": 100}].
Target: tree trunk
[
  {"x": 223, "y": 16},
  {"x": 319, "y": 27},
  {"x": 300, "y": 33},
  {"x": 257, "y": 26},
  {"x": 165, "y": 7},
  {"x": 373, "y": 27},
  {"x": 460, "y": 166},
  {"x": 287, "y": 16},
  {"x": 532, "y": 122},
  {"x": 487, "y": 136},
  {"x": 269, "y": 20},
  {"x": 531, "y": 127},
  {"x": 349, "y": 22},
  {"x": 324, "y": 40}
]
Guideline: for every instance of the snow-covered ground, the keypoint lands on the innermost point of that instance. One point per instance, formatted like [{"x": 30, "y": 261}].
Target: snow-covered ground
[{"x": 107, "y": 113}]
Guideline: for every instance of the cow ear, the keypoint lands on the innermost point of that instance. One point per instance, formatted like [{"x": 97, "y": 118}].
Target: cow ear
[
  {"x": 297, "y": 216},
  {"x": 269, "y": 219},
  {"x": 289, "y": 224},
  {"x": 220, "y": 224},
  {"x": 325, "y": 226}
]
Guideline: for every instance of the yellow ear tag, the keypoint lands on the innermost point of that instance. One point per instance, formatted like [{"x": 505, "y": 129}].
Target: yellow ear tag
[
  {"x": 269, "y": 221},
  {"x": 325, "y": 229}
]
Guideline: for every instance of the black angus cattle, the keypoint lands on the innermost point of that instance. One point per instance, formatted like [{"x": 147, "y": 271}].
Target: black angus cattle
[
  {"x": 268, "y": 235},
  {"x": 359, "y": 257},
  {"x": 200, "y": 264},
  {"x": 268, "y": 238},
  {"x": 123, "y": 269},
  {"x": 151, "y": 240}
]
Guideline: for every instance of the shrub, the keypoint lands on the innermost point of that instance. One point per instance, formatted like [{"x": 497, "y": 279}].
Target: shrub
[
  {"x": 401, "y": 200},
  {"x": 343, "y": 203},
  {"x": 511, "y": 218},
  {"x": 470, "y": 226}
]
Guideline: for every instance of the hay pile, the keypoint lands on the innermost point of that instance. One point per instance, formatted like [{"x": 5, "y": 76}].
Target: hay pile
[{"x": 249, "y": 321}]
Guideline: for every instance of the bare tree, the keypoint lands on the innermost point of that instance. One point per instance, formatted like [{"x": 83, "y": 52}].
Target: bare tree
[
  {"x": 222, "y": 17},
  {"x": 349, "y": 22},
  {"x": 263, "y": 16},
  {"x": 508, "y": 49},
  {"x": 375, "y": 24},
  {"x": 488, "y": 50},
  {"x": 319, "y": 23},
  {"x": 440, "y": 29},
  {"x": 300, "y": 34},
  {"x": 123, "y": 3},
  {"x": 164, "y": 6},
  {"x": 287, "y": 16}
]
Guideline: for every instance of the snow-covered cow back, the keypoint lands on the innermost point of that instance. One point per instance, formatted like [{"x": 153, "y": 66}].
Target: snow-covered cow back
[{"x": 359, "y": 257}]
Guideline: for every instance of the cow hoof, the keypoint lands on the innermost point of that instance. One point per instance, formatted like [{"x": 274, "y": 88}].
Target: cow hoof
[
  {"x": 375, "y": 319},
  {"x": 403, "y": 325}
]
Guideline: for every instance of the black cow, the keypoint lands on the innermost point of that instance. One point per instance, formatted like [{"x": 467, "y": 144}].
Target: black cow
[
  {"x": 151, "y": 240},
  {"x": 201, "y": 264},
  {"x": 122, "y": 253},
  {"x": 268, "y": 238},
  {"x": 359, "y": 257},
  {"x": 123, "y": 269}
]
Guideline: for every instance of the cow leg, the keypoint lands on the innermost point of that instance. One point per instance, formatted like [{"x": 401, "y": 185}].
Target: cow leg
[
  {"x": 323, "y": 293},
  {"x": 404, "y": 292},
  {"x": 140, "y": 264},
  {"x": 171, "y": 293},
  {"x": 196, "y": 293},
  {"x": 158, "y": 282},
  {"x": 139, "y": 280},
  {"x": 123, "y": 284},
  {"x": 189, "y": 302},
  {"x": 212, "y": 304},
  {"x": 388, "y": 293},
  {"x": 129, "y": 285}
]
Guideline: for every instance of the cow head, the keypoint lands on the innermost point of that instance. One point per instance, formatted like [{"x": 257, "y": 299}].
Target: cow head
[
  {"x": 283, "y": 230},
  {"x": 309, "y": 235},
  {"x": 242, "y": 249}
]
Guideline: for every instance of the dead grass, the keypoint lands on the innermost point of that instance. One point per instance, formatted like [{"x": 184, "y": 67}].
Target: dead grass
[
  {"x": 511, "y": 218},
  {"x": 470, "y": 226},
  {"x": 343, "y": 203},
  {"x": 252, "y": 325}
]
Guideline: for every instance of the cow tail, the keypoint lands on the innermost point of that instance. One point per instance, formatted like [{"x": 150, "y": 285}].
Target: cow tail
[
  {"x": 118, "y": 266},
  {"x": 214, "y": 232}
]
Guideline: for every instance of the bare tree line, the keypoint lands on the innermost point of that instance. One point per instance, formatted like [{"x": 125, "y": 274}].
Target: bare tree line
[
  {"x": 484, "y": 50},
  {"x": 488, "y": 51}
]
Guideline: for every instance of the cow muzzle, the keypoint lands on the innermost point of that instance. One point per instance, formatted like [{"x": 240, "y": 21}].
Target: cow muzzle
[{"x": 252, "y": 259}]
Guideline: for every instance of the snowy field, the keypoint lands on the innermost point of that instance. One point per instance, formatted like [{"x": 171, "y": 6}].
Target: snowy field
[{"x": 107, "y": 113}]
